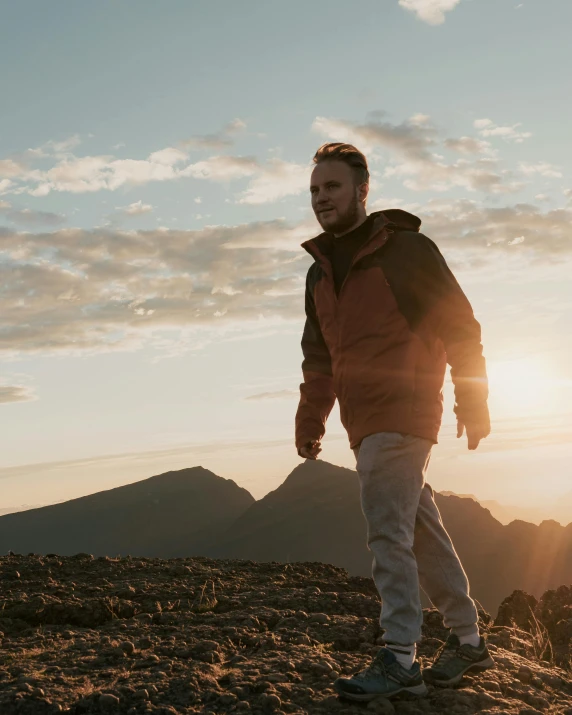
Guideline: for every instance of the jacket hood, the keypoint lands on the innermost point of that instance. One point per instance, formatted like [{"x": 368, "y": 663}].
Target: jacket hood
[{"x": 401, "y": 219}]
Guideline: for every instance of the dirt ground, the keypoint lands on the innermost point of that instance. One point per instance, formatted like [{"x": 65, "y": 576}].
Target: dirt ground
[{"x": 132, "y": 635}]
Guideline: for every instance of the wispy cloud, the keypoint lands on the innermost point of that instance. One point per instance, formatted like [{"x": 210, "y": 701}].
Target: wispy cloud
[
  {"x": 430, "y": 11},
  {"x": 135, "y": 209},
  {"x": 415, "y": 144},
  {"x": 16, "y": 393},
  {"x": 487, "y": 128},
  {"x": 414, "y": 138},
  {"x": 542, "y": 168},
  {"x": 29, "y": 217},
  {"x": 106, "y": 289},
  {"x": 219, "y": 140},
  {"x": 276, "y": 180}
]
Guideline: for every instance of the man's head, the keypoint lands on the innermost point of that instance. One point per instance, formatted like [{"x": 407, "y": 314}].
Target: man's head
[{"x": 339, "y": 186}]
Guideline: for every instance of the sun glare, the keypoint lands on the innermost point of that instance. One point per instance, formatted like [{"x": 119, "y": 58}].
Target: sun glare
[{"x": 519, "y": 385}]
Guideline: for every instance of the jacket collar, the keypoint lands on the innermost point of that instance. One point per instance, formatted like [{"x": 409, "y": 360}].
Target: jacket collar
[{"x": 383, "y": 225}]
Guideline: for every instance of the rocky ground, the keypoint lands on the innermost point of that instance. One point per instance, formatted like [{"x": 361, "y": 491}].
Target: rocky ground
[{"x": 132, "y": 635}]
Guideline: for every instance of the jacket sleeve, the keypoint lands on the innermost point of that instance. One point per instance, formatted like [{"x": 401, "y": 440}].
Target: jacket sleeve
[
  {"x": 450, "y": 314},
  {"x": 317, "y": 395}
]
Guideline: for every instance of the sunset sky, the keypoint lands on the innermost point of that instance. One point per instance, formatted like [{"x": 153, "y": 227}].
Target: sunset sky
[{"x": 154, "y": 192}]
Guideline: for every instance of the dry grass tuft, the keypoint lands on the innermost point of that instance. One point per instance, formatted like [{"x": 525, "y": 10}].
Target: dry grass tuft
[{"x": 205, "y": 601}]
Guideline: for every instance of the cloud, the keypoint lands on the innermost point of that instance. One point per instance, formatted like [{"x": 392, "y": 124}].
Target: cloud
[
  {"x": 218, "y": 140},
  {"x": 480, "y": 175},
  {"x": 135, "y": 209},
  {"x": 16, "y": 393},
  {"x": 168, "y": 156},
  {"x": 430, "y": 11},
  {"x": 222, "y": 168},
  {"x": 487, "y": 128},
  {"x": 175, "y": 291},
  {"x": 96, "y": 173},
  {"x": 104, "y": 289},
  {"x": 541, "y": 167},
  {"x": 10, "y": 168},
  {"x": 468, "y": 145},
  {"x": 28, "y": 217},
  {"x": 413, "y": 138},
  {"x": 269, "y": 182},
  {"x": 465, "y": 225},
  {"x": 275, "y": 181},
  {"x": 415, "y": 142}
]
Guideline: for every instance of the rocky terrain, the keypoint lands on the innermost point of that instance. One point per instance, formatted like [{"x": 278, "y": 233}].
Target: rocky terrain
[{"x": 85, "y": 634}]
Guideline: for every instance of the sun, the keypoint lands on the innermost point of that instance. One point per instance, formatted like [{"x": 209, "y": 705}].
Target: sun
[{"x": 517, "y": 386}]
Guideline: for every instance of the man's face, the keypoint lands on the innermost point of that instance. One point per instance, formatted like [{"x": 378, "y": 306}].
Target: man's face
[{"x": 335, "y": 197}]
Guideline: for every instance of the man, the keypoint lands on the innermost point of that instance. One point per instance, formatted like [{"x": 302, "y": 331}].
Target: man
[{"x": 384, "y": 314}]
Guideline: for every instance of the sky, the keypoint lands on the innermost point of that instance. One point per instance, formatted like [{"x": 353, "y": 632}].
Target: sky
[{"x": 154, "y": 194}]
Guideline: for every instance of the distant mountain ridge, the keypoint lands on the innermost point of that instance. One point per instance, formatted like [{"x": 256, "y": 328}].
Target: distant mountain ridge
[
  {"x": 314, "y": 515},
  {"x": 172, "y": 513},
  {"x": 560, "y": 511}
]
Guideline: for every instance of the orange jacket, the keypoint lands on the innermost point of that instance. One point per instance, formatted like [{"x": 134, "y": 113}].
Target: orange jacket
[{"x": 382, "y": 345}]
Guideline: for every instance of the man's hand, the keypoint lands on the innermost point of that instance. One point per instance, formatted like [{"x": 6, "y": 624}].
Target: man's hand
[
  {"x": 475, "y": 432},
  {"x": 311, "y": 449}
]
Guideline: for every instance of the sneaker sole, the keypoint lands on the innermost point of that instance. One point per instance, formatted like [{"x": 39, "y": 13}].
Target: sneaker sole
[
  {"x": 418, "y": 690},
  {"x": 482, "y": 665}
]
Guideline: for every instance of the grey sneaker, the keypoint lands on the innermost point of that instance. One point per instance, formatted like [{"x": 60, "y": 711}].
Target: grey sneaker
[
  {"x": 384, "y": 676},
  {"x": 452, "y": 661}
]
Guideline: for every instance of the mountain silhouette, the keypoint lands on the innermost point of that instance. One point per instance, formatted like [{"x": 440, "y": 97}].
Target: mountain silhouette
[
  {"x": 172, "y": 514},
  {"x": 560, "y": 509},
  {"x": 313, "y": 516}
]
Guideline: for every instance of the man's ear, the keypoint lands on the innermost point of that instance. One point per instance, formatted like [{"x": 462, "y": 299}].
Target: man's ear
[{"x": 363, "y": 191}]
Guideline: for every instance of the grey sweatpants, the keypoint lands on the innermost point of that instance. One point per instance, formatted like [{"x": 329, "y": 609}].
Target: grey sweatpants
[{"x": 410, "y": 545}]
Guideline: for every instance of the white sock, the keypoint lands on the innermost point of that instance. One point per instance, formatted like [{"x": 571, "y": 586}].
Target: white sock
[
  {"x": 472, "y": 639},
  {"x": 405, "y": 654}
]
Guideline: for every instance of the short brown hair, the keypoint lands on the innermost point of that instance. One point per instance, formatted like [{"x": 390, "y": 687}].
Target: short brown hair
[{"x": 338, "y": 151}]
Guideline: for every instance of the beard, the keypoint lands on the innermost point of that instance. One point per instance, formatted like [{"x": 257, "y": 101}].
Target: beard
[{"x": 343, "y": 222}]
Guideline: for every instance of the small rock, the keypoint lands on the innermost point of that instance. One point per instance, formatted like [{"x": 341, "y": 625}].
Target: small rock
[
  {"x": 538, "y": 702},
  {"x": 269, "y": 701},
  {"x": 38, "y": 693},
  {"x": 524, "y": 674},
  {"x": 554, "y": 681},
  {"x": 108, "y": 700},
  {"x": 127, "y": 647},
  {"x": 491, "y": 685},
  {"x": 319, "y": 618},
  {"x": 383, "y": 706},
  {"x": 141, "y": 694},
  {"x": 321, "y": 668},
  {"x": 228, "y": 699}
]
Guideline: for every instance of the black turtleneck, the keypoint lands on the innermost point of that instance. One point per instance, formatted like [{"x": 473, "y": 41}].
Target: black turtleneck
[{"x": 345, "y": 248}]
